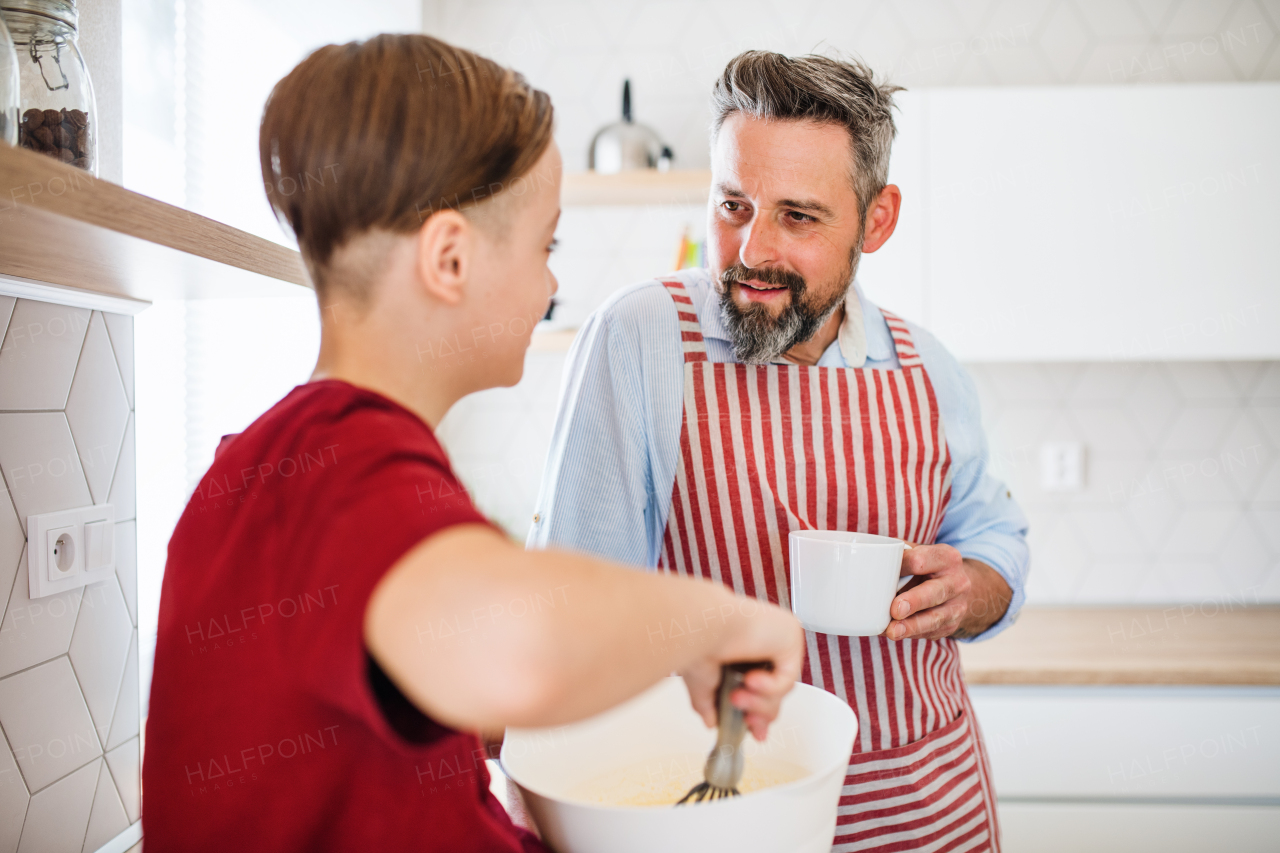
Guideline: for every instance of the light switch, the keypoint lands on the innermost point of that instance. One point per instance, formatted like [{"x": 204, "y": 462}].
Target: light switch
[
  {"x": 1062, "y": 466},
  {"x": 99, "y": 545}
]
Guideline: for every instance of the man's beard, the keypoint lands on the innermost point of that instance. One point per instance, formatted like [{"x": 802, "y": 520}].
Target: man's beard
[{"x": 757, "y": 336}]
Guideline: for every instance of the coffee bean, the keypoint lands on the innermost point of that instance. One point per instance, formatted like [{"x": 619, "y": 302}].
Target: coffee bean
[{"x": 62, "y": 134}]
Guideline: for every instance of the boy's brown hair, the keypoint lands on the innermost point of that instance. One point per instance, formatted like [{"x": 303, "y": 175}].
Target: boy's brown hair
[{"x": 382, "y": 133}]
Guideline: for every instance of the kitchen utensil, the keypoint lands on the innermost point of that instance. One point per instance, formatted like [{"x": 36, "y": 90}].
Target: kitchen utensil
[
  {"x": 723, "y": 770},
  {"x": 842, "y": 582},
  {"x": 625, "y": 146},
  {"x": 814, "y": 730}
]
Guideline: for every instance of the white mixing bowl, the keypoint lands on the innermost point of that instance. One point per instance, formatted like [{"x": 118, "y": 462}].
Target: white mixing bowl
[{"x": 814, "y": 730}]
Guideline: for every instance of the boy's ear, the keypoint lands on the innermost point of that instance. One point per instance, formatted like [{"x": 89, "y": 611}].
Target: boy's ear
[{"x": 445, "y": 244}]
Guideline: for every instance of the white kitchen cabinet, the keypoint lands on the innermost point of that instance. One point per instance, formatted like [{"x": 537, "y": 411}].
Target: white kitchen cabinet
[
  {"x": 1105, "y": 223},
  {"x": 1088, "y": 223},
  {"x": 1137, "y": 828},
  {"x": 894, "y": 276},
  {"x": 1134, "y": 768}
]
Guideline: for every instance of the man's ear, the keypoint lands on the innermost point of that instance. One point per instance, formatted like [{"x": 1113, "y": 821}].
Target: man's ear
[
  {"x": 445, "y": 246},
  {"x": 882, "y": 218}
]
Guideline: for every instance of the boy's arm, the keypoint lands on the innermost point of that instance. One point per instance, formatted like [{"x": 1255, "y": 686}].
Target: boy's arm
[{"x": 481, "y": 634}]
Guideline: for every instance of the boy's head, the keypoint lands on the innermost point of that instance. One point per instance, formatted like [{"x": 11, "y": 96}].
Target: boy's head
[{"x": 406, "y": 150}]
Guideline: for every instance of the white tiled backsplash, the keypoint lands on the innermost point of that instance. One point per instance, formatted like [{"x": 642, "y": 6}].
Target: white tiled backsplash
[
  {"x": 673, "y": 50},
  {"x": 69, "y": 761},
  {"x": 1181, "y": 499},
  {"x": 1181, "y": 496}
]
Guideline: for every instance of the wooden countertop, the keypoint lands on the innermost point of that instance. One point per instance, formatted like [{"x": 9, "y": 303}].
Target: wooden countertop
[
  {"x": 60, "y": 225},
  {"x": 1209, "y": 643}
]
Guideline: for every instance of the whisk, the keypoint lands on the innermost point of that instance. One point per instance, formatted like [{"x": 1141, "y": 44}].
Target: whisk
[{"x": 723, "y": 770}]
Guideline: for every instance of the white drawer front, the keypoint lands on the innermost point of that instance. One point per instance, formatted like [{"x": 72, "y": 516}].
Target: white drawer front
[
  {"x": 1131, "y": 743},
  {"x": 1099, "y": 828}
]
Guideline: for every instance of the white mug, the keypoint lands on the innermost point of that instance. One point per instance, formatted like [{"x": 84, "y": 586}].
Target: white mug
[{"x": 842, "y": 582}]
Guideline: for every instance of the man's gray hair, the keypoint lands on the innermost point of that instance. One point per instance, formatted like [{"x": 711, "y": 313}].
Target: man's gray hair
[{"x": 815, "y": 88}]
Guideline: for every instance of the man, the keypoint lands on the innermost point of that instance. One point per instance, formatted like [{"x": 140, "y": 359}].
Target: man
[{"x": 706, "y": 415}]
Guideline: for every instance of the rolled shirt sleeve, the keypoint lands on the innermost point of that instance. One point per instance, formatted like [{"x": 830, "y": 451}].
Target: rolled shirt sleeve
[{"x": 982, "y": 521}]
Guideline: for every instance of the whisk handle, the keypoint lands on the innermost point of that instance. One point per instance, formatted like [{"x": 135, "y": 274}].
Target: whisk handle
[{"x": 725, "y": 764}]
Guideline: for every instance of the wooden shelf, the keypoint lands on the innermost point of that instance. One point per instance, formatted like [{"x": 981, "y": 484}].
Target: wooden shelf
[
  {"x": 62, "y": 226},
  {"x": 684, "y": 186},
  {"x": 1192, "y": 644}
]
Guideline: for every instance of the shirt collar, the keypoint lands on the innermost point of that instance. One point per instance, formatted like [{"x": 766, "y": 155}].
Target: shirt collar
[{"x": 863, "y": 334}]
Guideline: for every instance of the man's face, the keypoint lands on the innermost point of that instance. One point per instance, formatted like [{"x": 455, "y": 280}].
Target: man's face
[{"x": 783, "y": 230}]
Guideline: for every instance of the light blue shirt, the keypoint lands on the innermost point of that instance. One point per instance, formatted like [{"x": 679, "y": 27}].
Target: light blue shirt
[{"x": 615, "y": 446}]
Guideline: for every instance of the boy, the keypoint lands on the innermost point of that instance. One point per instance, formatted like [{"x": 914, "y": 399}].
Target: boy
[{"x": 337, "y": 620}]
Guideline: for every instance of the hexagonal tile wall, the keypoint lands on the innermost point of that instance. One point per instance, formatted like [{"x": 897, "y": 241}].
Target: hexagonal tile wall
[
  {"x": 12, "y": 541},
  {"x": 68, "y": 662},
  {"x": 13, "y": 799},
  {"x": 97, "y": 410},
  {"x": 46, "y": 722},
  {"x": 1177, "y": 505},
  {"x": 35, "y": 630},
  {"x": 39, "y": 354},
  {"x": 58, "y": 816},
  {"x": 125, "y": 762},
  {"x": 6, "y": 311},
  {"x": 107, "y": 818},
  {"x": 99, "y": 647},
  {"x": 41, "y": 466}
]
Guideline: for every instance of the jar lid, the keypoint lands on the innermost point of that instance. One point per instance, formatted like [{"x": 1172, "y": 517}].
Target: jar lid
[{"x": 63, "y": 11}]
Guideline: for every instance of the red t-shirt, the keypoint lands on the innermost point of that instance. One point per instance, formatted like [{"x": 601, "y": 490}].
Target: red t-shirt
[{"x": 270, "y": 726}]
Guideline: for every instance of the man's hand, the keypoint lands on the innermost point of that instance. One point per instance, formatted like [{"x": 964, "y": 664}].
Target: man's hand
[{"x": 949, "y": 596}]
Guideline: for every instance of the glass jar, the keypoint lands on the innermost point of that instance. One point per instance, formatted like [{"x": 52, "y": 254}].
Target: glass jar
[
  {"x": 8, "y": 88},
  {"x": 58, "y": 113}
]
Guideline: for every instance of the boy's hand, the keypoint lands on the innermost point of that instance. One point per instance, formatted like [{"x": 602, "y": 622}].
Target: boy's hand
[{"x": 769, "y": 634}]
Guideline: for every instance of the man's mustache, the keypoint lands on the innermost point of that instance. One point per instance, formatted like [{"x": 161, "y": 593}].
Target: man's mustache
[{"x": 738, "y": 273}]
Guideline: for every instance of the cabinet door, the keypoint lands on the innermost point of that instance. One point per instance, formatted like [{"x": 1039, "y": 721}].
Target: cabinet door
[
  {"x": 893, "y": 276},
  {"x": 1137, "y": 828},
  {"x": 1133, "y": 744},
  {"x": 1104, "y": 222}
]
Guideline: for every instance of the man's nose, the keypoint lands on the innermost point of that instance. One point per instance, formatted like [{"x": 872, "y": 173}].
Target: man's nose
[{"x": 759, "y": 245}]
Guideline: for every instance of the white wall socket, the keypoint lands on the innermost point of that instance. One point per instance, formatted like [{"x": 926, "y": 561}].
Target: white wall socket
[
  {"x": 70, "y": 549},
  {"x": 1062, "y": 466}
]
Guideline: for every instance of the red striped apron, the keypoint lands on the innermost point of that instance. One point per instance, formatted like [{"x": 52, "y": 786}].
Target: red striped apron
[{"x": 767, "y": 449}]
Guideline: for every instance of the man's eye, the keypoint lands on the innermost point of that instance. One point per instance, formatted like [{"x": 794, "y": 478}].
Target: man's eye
[
  {"x": 732, "y": 206},
  {"x": 802, "y": 217}
]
